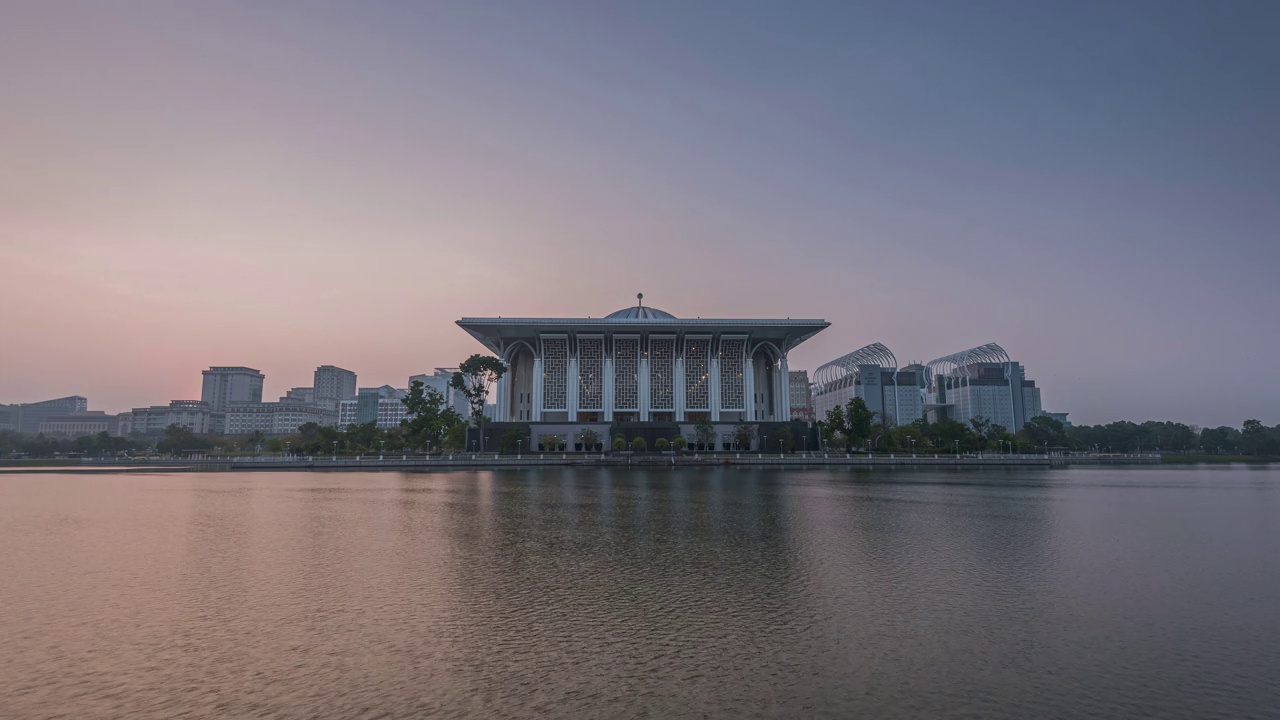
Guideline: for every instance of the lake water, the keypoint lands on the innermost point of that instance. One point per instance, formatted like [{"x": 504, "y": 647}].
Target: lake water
[{"x": 725, "y": 593}]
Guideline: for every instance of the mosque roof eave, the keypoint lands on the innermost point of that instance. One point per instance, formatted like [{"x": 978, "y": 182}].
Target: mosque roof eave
[{"x": 490, "y": 330}]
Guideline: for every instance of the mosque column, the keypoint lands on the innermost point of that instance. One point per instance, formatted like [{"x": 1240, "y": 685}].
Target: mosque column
[
  {"x": 607, "y": 404},
  {"x": 713, "y": 388},
  {"x": 678, "y": 402},
  {"x": 784, "y": 405},
  {"x": 571, "y": 392},
  {"x": 642, "y": 387},
  {"x": 535, "y": 412},
  {"x": 748, "y": 390},
  {"x": 500, "y": 407}
]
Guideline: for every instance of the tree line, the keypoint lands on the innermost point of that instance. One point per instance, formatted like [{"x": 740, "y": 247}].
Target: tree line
[
  {"x": 854, "y": 427},
  {"x": 431, "y": 426}
]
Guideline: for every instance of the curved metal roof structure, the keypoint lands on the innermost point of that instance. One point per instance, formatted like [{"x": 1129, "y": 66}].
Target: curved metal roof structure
[
  {"x": 845, "y": 367},
  {"x": 640, "y": 312},
  {"x": 957, "y": 364}
]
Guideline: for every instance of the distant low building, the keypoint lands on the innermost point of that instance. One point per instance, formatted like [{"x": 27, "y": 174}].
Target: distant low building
[
  {"x": 1060, "y": 417},
  {"x": 26, "y": 417},
  {"x": 381, "y": 405},
  {"x": 195, "y": 415},
  {"x": 80, "y": 424},
  {"x": 274, "y": 418}
]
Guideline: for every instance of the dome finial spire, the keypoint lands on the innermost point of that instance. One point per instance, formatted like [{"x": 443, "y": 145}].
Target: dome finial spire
[{"x": 639, "y": 299}]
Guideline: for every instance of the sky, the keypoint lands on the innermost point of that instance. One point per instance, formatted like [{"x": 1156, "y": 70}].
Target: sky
[{"x": 1093, "y": 186}]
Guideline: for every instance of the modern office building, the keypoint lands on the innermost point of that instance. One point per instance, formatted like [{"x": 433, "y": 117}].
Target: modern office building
[
  {"x": 641, "y": 364},
  {"x": 439, "y": 381},
  {"x": 225, "y": 385},
  {"x": 78, "y": 424},
  {"x": 801, "y": 396},
  {"x": 274, "y": 418},
  {"x": 26, "y": 417},
  {"x": 332, "y": 385},
  {"x": 1062, "y": 418},
  {"x": 381, "y": 405},
  {"x": 872, "y": 374},
  {"x": 980, "y": 382},
  {"x": 195, "y": 415}
]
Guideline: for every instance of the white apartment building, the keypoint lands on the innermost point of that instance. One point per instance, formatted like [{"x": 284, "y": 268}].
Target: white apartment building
[
  {"x": 195, "y": 415},
  {"x": 224, "y": 385},
  {"x": 277, "y": 418},
  {"x": 332, "y": 385}
]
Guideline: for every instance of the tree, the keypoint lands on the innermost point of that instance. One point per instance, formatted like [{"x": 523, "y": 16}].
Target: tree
[
  {"x": 706, "y": 434},
  {"x": 1043, "y": 431},
  {"x": 179, "y": 438},
  {"x": 787, "y": 440},
  {"x": 858, "y": 418},
  {"x": 428, "y": 419},
  {"x": 515, "y": 440},
  {"x": 455, "y": 438},
  {"x": 474, "y": 378},
  {"x": 835, "y": 429},
  {"x": 744, "y": 434},
  {"x": 1258, "y": 439}
]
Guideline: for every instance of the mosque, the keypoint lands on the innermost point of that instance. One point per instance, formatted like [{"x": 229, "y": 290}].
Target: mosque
[{"x": 642, "y": 365}]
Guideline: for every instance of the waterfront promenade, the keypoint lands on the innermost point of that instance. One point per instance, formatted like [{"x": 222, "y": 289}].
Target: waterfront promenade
[{"x": 616, "y": 460}]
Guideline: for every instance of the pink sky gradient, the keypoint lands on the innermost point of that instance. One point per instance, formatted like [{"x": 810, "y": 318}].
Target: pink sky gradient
[{"x": 186, "y": 185}]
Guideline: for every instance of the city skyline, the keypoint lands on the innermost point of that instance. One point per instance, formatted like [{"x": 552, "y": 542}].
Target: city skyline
[{"x": 284, "y": 186}]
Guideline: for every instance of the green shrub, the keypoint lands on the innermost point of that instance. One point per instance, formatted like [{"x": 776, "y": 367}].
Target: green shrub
[
  {"x": 639, "y": 444},
  {"x": 679, "y": 443},
  {"x": 619, "y": 443},
  {"x": 661, "y": 444}
]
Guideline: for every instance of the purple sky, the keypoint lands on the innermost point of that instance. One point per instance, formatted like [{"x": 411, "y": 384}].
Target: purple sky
[{"x": 1096, "y": 187}]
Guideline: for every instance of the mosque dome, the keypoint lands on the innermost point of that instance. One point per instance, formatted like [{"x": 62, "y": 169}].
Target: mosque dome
[{"x": 640, "y": 311}]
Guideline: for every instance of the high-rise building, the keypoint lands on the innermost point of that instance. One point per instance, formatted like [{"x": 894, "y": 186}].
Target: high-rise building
[
  {"x": 439, "y": 381},
  {"x": 872, "y": 374},
  {"x": 981, "y": 382},
  {"x": 332, "y": 385},
  {"x": 801, "y": 395},
  {"x": 225, "y": 385}
]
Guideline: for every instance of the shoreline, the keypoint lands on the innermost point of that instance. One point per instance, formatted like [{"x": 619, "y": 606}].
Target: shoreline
[{"x": 488, "y": 461}]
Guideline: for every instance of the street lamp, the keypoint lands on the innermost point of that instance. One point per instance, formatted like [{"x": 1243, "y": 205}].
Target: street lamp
[
  {"x": 779, "y": 447},
  {"x": 335, "y": 451},
  {"x": 383, "y": 451},
  {"x": 957, "y": 445},
  {"x": 913, "y": 445}
]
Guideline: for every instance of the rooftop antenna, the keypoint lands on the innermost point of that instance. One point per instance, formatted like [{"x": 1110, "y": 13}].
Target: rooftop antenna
[{"x": 639, "y": 299}]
